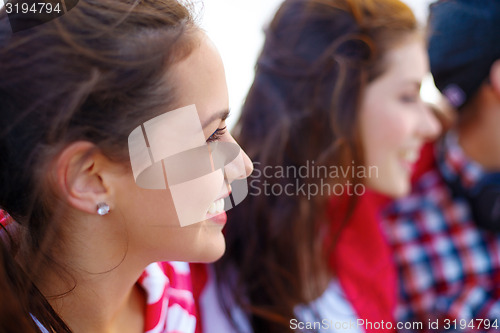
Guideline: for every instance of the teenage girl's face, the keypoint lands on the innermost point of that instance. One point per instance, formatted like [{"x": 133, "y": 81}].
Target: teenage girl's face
[
  {"x": 184, "y": 221},
  {"x": 394, "y": 120}
]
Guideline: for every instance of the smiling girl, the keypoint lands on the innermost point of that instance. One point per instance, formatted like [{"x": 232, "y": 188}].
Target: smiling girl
[
  {"x": 89, "y": 244},
  {"x": 337, "y": 84}
]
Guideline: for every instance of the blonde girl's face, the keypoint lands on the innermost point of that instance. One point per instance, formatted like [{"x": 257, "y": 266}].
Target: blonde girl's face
[{"x": 394, "y": 121}]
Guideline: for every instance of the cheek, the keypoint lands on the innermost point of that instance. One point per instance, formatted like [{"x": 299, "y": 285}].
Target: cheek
[
  {"x": 142, "y": 206},
  {"x": 383, "y": 139},
  {"x": 193, "y": 198},
  {"x": 153, "y": 208},
  {"x": 384, "y": 131}
]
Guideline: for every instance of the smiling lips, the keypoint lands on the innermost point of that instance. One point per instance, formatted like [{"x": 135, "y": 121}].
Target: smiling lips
[
  {"x": 409, "y": 158},
  {"x": 216, "y": 212}
]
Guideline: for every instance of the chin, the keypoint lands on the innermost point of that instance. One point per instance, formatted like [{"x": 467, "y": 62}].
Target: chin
[
  {"x": 394, "y": 189},
  {"x": 213, "y": 258},
  {"x": 399, "y": 190},
  {"x": 212, "y": 252}
]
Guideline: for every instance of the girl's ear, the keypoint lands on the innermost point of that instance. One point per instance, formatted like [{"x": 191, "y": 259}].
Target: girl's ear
[
  {"x": 495, "y": 78},
  {"x": 79, "y": 177}
]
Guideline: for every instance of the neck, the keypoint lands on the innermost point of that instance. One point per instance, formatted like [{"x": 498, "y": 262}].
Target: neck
[
  {"x": 99, "y": 291},
  {"x": 104, "y": 303}
]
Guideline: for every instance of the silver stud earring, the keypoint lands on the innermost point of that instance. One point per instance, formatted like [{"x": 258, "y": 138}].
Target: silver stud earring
[{"x": 102, "y": 208}]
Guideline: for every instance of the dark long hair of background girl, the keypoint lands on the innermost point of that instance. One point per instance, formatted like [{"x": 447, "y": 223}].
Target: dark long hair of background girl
[{"x": 318, "y": 57}]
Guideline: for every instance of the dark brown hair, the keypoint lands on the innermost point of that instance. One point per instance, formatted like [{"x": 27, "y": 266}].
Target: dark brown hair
[
  {"x": 303, "y": 106},
  {"x": 93, "y": 74}
]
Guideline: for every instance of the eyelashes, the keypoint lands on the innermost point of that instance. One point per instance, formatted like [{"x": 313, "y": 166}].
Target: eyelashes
[
  {"x": 410, "y": 98},
  {"x": 217, "y": 134}
]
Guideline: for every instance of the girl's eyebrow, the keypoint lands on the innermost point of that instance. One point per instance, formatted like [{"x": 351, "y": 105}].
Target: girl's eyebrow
[
  {"x": 416, "y": 84},
  {"x": 222, "y": 115}
]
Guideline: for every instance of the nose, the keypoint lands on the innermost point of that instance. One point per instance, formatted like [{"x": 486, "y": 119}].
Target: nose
[
  {"x": 430, "y": 127},
  {"x": 240, "y": 168},
  {"x": 248, "y": 164}
]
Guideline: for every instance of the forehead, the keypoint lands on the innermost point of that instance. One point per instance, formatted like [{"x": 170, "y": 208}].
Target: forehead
[
  {"x": 407, "y": 62},
  {"x": 200, "y": 79}
]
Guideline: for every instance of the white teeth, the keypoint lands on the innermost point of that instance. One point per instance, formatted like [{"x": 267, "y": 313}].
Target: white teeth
[
  {"x": 220, "y": 205},
  {"x": 212, "y": 209},
  {"x": 410, "y": 156},
  {"x": 216, "y": 207}
]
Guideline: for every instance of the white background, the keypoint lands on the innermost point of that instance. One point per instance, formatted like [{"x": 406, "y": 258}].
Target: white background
[{"x": 236, "y": 27}]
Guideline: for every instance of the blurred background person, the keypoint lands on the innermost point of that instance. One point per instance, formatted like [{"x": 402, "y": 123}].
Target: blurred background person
[
  {"x": 337, "y": 85},
  {"x": 445, "y": 235}
]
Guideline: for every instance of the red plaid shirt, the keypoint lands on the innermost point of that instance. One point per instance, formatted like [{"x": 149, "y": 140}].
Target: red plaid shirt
[{"x": 448, "y": 268}]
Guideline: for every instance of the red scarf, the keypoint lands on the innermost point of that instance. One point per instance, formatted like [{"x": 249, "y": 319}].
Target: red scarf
[{"x": 362, "y": 261}]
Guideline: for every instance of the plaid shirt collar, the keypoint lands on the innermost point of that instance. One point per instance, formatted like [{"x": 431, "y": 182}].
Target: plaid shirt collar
[{"x": 454, "y": 163}]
